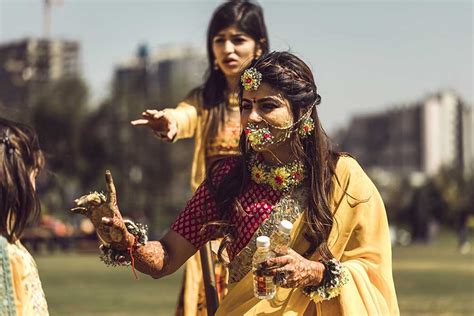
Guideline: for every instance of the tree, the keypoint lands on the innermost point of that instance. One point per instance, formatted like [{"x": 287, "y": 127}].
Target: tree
[{"x": 57, "y": 114}]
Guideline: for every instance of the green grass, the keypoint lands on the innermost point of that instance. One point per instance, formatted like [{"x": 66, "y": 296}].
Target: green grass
[
  {"x": 430, "y": 280},
  {"x": 434, "y": 279},
  {"x": 83, "y": 285}
]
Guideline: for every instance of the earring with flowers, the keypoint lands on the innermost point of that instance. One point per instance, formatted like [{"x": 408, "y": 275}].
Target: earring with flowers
[
  {"x": 306, "y": 127},
  {"x": 216, "y": 66}
]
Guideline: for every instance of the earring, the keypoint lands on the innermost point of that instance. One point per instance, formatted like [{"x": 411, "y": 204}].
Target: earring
[
  {"x": 306, "y": 127},
  {"x": 216, "y": 66}
]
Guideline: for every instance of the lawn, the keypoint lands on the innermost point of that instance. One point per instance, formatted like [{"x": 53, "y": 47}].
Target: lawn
[
  {"x": 430, "y": 280},
  {"x": 83, "y": 285},
  {"x": 435, "y": 279}
]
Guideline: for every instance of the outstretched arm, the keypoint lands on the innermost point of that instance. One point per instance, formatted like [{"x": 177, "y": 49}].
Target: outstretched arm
[
  {"x": 173, "y": 124},
  {"x": 156, "y": 258},
  {"x": 162, "y": 124},
  {"x": 160, "y": 258}
]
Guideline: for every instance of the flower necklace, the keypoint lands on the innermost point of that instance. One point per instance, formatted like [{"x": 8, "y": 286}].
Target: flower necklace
[{"x": 283, "y": 177}]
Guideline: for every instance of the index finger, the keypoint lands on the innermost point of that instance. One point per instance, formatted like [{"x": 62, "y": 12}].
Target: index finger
[
  {"x": 111, "y": 193},
  {"x": 275, "y": 262},
  {"x": 140, "y": 122},
  {"x": 272, "y": 266}
]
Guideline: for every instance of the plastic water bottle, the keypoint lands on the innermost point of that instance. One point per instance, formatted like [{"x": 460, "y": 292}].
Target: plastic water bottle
[
  {"x": 281, "y": 237},
  {"x": 263, "y": 286}
]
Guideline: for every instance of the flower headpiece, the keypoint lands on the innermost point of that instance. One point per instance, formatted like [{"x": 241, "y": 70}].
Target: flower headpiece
[{"x": 251, "y": 79}]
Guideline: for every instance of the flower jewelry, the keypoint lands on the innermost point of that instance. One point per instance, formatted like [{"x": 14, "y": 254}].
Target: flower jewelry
[
  {"x": 251, "y": 79},
  {"x": 258, "y": 136},
  {"x": 281, "y": 178},
  {"x": 306, "y": 127},
  {"x": 114, "y": 257},
  {"x": 335, "y": 277}
]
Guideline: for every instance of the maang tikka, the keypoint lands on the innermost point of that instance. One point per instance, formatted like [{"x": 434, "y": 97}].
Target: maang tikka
[{"x": 251, "y": 79}]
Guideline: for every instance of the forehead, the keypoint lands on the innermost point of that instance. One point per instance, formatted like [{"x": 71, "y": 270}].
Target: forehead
[
  {"x": 231, "y": 30},
  {"x": 263, "y": 91}
]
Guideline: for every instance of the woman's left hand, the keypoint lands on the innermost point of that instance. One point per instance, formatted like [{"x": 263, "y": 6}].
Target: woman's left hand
[{"x": 291, "y": 270}]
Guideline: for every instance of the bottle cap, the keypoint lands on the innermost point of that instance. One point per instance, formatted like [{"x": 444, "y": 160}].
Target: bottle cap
[
  {"x": 263, "y": 241},
  {"x": 285, "y": 226}
]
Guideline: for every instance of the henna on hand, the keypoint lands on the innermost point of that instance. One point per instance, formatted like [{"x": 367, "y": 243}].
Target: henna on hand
[
  {"x": 293, "y": 270},
  {"x": 121, "y": 238},
  {"x": 104, "y": 213}
]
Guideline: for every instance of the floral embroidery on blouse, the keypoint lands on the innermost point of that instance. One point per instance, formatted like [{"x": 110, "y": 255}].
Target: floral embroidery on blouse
[
  {"x": 32, "y": 283},
  {"x": 226, "y": 142}
]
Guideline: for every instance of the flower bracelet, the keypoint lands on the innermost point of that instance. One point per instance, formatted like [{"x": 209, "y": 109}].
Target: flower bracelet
[{"x": 335, "y": 276}]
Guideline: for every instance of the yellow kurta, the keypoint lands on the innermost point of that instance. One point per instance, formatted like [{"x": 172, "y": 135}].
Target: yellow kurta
[
  {"x": 359, "y": 239},
  {"x": 190, "y": 117}
]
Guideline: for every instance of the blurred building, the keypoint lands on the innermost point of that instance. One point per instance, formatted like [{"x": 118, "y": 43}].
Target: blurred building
[
  {"x": 28, "y": 64},
  {"x": 163, "y": 76},
  {"x": 419, "y": 137},
  {"x": 468, "y": 139}
]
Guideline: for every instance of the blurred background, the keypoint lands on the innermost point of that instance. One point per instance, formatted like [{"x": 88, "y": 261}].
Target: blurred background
[{"x": 396, "y": 79}]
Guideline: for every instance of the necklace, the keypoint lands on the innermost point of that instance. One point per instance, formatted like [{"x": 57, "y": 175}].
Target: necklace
[
  {"x": 233, "y": 102},
  {"x": 281, "y": 177}
]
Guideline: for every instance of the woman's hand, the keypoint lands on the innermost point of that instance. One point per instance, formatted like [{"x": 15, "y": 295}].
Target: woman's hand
[
  {"x": 291, "y": 270},
  {"x": 162, "y": 124},
  {"x": 104, "y": 213}
]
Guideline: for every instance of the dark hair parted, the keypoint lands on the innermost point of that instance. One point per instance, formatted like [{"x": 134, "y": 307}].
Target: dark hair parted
[
  {"x": 293, "y": 78},
  {"x": 247, "y": 17},
  {"x": 20, "y": 156}
]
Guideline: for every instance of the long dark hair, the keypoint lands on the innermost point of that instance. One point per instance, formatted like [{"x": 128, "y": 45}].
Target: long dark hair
[
  {"x": 20, "y": 155},
  {"x": 293, "y": 78},
  {"x": 247, "y": 17}
]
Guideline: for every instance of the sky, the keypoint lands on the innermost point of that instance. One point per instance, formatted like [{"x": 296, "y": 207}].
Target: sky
[{"x": 366, "y": 56}]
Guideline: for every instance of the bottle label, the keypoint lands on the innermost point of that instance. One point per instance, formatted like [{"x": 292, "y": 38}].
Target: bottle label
[
  {"x": 261, "y": 282},
  {"x": 261, "y": 285}
]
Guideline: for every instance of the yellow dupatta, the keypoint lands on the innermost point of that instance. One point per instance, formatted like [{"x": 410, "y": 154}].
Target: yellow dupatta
[{"x": 359, "y": 239}]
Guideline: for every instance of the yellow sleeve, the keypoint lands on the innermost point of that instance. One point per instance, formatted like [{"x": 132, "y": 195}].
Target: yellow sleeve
[
  {"x": 20, "y": 270},
  {"x": 361, "y": 241},
  {"x": 186, "y": 114}
]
